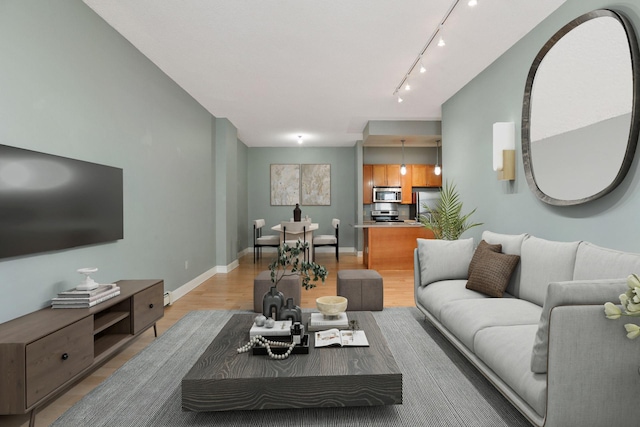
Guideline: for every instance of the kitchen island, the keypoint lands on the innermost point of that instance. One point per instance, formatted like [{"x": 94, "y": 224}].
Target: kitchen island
[{"x": 390, "y": 245}]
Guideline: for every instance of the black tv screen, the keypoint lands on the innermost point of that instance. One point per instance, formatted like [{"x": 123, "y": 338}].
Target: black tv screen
[{"x": 49, "y": 202}]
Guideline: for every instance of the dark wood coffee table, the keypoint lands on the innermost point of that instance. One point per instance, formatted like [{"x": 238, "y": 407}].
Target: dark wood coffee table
[{"x": 223, "y": 380}]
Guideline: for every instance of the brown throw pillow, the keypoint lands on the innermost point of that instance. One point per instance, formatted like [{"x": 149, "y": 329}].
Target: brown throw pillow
[
  {"x": 483, "y": 247},
  {"x": 491, "y": 275}
]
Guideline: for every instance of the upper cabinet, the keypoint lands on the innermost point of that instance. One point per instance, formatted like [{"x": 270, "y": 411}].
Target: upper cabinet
[
  {"x": 407, "y": 184},
  {"x": 367, "y": 182},
  {"x": 419, "y": 175},
  {"x": 433, "y": 180},
  {"x": 386, "y": 175},
  {"x": 389, "y": 176}
]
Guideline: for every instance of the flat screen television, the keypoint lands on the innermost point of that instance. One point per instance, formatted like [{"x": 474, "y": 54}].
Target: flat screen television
[{"x": 50, "y": 202}]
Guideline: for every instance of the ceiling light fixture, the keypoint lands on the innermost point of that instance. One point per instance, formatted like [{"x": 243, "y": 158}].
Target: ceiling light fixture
[
  {"x": 300, "y": 139},
  {"x": 399, "y": 99},
  {"x": 437, "y": 170},
  {"x": 472, "y": 3},
  {"x": 403, "y": 167},
  {"x": 441, "y": 42}
]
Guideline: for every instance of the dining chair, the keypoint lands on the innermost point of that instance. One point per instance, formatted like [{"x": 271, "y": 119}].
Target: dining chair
[
  {"x": 272, "y": 240},
  {"x": 292, "y": 231},
  {"x": 328, "y": 239}
]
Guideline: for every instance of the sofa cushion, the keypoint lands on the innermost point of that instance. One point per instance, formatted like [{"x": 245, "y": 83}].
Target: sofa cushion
[
  {"x": 594, "y": 262},
  {"x": 444, "y": 259},
  {"x": 464, "y": 318},
  {"x": 511, "y": 244},
  {"x": 570, "y": 293},
  {"x": 542, "y": 262},
  {"x": 492, "y": 273},
  {"x": 505, "y": 349},
  {"x": 434, "y": 296},
  {"x": 482, "y": 248}
]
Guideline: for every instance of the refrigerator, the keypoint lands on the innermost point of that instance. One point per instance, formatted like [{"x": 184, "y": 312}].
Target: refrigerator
[{"x": 423, "y": 199}]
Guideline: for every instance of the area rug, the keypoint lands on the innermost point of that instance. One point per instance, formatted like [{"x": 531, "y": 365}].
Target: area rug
[{"x": 440, "y": 387}]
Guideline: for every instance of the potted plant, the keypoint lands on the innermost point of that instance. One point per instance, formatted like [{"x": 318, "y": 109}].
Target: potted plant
[
  {"x": 446, "y": 220},
  {"x": 288, "y": 263}
]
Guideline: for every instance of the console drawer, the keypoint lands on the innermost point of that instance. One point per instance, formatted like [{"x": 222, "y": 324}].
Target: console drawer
[
  {"x": 148, "y": 306},
  {"x": 54, "y": 359}
]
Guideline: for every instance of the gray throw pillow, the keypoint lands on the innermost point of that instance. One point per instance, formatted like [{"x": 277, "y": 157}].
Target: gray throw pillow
[{"x": 444, "y": 259}]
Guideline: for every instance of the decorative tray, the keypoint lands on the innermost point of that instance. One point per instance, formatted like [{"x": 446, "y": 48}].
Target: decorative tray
[{"x": 302, "y": 348}]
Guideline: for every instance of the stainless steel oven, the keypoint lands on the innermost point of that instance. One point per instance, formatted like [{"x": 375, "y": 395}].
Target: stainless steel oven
[{"x": 387, "y": 194}]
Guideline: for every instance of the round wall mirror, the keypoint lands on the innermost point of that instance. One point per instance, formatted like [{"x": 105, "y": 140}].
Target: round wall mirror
[{"x": 579, "y": 120}]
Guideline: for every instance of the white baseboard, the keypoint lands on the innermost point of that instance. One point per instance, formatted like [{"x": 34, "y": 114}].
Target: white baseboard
[{"x": 197, "y": 281}]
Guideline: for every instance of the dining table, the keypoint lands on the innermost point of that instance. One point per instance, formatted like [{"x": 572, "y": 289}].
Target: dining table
[{"x": 298, "y": 234}]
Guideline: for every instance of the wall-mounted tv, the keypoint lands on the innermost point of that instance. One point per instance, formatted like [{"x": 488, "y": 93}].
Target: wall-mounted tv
[{"x": 50, "y": 202}]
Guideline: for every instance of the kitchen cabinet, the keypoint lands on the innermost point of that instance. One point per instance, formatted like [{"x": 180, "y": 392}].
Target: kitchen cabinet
[
  {"x": 390, "y": 247},
  {"x": 419, "y": 175},
  {"x": 367, "y": 183},
  {"x": 406, "y": 186},
  {"x": 386, "y": 175},
  {"x": 433, "y": 180}
]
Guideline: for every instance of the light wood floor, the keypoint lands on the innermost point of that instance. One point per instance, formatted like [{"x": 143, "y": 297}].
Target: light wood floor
[{"x": 232, "y": 291}]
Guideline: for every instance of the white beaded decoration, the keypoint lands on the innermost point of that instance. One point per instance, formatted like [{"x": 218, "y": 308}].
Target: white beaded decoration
[{"x": 259, "y": 339}]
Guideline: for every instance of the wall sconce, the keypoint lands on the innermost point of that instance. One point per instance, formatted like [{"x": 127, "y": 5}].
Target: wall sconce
[{"x": 504, "y": 150}]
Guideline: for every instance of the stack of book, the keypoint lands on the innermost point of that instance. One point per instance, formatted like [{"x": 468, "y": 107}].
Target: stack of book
[
  {"x": 74, "y": 298},
  {"x": 318, "y": 322}
]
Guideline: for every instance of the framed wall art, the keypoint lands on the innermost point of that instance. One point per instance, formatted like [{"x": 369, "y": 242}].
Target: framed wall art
[
  {"x": 285, "y": 185},
  {"x": 315, "y": 181}
]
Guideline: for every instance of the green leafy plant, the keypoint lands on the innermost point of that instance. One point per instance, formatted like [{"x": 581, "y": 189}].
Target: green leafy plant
[
  {"x": 288, "y": 263},
  {"x": 446, "y": 220}
]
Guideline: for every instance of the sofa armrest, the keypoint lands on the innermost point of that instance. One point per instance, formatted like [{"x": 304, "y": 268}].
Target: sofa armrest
[
  {"x": 416, "y": 270},
  {"x": 577, "y": 292},
  {"x": 593, "y": 375}
]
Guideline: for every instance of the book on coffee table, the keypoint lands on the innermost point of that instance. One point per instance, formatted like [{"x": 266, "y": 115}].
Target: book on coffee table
[
  {"x": 281, "y": 328},
  {"x": 345, "y": 338},
  {"x": 318, "y": 322}
]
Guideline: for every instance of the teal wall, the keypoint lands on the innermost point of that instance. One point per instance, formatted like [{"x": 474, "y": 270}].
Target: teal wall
[
  {"x": 496, "y": 95},
  {"x": 70, "y": 85},
  {"x": 344, "y": 196}
]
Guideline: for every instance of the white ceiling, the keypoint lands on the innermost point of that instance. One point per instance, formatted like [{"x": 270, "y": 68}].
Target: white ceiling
[{"x": 319, "y": 68}]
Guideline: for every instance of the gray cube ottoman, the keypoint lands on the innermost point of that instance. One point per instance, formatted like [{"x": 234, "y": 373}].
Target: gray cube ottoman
[
  {"x": 363, "y": 289},
  {"x": 289, "y": 286}
]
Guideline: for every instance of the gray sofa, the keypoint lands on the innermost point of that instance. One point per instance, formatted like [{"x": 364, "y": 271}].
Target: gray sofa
[{"x": 546, "y": 344}]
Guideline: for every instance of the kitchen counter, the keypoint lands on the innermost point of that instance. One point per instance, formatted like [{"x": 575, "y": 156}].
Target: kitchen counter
[
  {"x": 390, "y": 245},
  {"x": 372, "y": 224}
]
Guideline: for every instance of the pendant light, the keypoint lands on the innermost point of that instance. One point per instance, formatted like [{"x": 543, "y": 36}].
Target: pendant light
[
  {"x": 438, "y": 169},
  {"x": 403, "y": 168}
]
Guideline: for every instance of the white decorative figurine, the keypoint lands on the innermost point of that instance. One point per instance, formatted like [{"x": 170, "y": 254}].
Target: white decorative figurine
[{"x": 88, "y": 284}]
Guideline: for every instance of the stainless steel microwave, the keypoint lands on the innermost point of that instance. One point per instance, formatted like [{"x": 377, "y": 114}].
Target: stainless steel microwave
[{"x": 387, "y": 194}]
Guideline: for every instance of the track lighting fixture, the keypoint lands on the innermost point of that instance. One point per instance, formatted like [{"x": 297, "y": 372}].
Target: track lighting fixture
[
  {"x": 438, "y": 32},
  {"x": 399, "y": 99},
  {"x": 441, "y": 41},
  {"x": 300, "y": 139}
]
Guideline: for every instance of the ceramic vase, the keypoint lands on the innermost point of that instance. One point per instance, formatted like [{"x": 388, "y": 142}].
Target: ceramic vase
[
  {"x": 290, "y": 311},
  {"x": 272, "y": 303}
]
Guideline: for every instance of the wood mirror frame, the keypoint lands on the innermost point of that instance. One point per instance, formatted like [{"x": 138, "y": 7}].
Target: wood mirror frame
[{"x": 630, "y": 135}]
